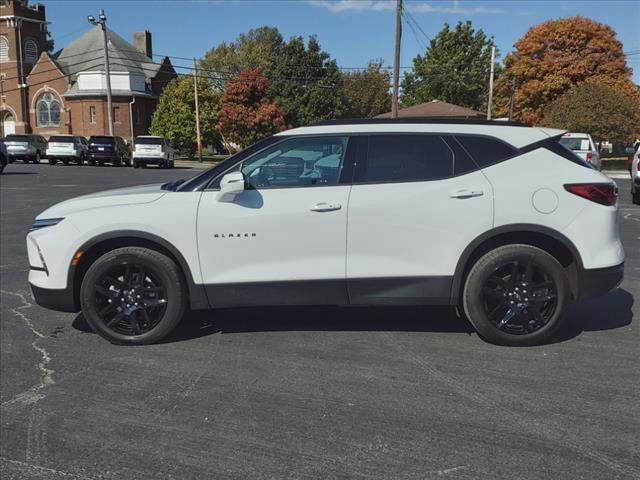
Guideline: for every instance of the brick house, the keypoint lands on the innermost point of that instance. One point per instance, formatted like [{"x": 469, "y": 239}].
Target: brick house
[{"x": 65, "y": 92}]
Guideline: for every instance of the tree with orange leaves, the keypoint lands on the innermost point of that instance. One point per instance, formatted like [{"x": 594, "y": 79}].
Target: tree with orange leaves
[
  {"x": 555, "y": 56},
  {"x": 246, "y": 113}
]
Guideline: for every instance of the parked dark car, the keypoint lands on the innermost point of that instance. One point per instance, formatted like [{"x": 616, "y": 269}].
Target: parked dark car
[
  {"x": 4, "y": 157},
  {"x": 28, "y": 148},
  {"x": 105, "y": 149}
]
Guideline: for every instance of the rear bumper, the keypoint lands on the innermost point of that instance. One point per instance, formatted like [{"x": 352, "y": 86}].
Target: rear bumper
[
  {"x": 103, "y": 156},
  {"x": 61, "y": 300},
  {"x": 599, "y": 281},
  {"x": 147, "y": 160}
]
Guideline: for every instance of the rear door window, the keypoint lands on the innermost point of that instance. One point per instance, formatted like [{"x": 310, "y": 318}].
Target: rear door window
[
  {"x": 55, "y": 139},
  {"x": 407, "y": 158},
  {"x": 486, "y": 150}
]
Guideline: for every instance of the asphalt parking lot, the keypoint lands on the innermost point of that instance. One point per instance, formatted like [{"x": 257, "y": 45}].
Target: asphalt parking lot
[{"x": 321, "y": 393}]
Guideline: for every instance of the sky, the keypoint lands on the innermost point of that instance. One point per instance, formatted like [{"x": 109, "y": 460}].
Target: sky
[{"x": 351, "y": 31}]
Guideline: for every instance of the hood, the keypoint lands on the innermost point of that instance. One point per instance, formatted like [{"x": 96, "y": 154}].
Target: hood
[{"x": 108, "y": 198}]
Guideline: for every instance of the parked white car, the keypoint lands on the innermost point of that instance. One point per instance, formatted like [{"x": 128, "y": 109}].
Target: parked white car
[
  {"x": 67, "y": 148},
  {"x": 150, "y": 150},
  {"x": 583, "y": 145},
  {"x": 380, "y": 212},
  {"x": 635, "y": 175}
]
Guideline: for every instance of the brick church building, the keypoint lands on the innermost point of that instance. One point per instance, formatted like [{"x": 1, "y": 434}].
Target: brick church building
[{"x": 65, "y": 92}]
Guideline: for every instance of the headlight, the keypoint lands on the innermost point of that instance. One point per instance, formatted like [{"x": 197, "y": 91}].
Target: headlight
[{"x": 45, "y": 222}]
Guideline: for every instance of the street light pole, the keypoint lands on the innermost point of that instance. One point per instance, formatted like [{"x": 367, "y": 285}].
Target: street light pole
[{"x": 102, "y": 21}]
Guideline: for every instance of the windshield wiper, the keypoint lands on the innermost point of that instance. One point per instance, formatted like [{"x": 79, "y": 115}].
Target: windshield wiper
[{"x": 172, "y": 186}]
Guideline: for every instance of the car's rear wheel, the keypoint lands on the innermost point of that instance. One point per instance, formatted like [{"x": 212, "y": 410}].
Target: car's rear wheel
[
  {"x": 65, "y": 161},
  {"x": 52, "y": 161},
  {"x": 80, "y": 160},
  {"x": 37, "y": 158},
  {"x": 133, "y": 296},
  {"x": 516, "y": 295},
  {"x": 635, "y": 197}
]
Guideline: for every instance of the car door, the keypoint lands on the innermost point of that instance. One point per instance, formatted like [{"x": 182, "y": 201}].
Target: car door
[
  {"x": 283, "y": 239},
  {"x": 417, "y": 201}
]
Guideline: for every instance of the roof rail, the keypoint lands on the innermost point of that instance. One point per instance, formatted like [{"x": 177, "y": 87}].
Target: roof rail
[{"x": 413, "y": 120}]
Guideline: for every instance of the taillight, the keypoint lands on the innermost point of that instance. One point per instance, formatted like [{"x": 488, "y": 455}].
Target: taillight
[
  {"x": 162, "y": 148},
  {"x": 602, "y": 193},
  {"x": 589, "y": 157}
]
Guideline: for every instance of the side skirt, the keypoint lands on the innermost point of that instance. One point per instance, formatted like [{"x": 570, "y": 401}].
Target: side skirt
[{"x": 361, "y": 291}]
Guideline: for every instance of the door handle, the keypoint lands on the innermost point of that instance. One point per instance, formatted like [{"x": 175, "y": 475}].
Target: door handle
[
  {"x": 467, "y": 193},
  {"x": 325, "y": 207}
]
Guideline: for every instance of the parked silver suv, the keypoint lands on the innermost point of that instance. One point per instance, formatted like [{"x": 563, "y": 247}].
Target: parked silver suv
[{"x": 28, "y": 148}]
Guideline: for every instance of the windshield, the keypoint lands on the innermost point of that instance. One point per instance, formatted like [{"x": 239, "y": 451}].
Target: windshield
[
  {"x": 149, "y": 141},
  {"x": 17, "y": 138},
  {"x": 61, "y": 139},
  {"x": 575, "y": 143},
  {"x": 107, "y": 140}
]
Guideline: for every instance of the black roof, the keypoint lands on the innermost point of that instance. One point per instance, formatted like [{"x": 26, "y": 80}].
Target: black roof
[{"x": 413, "y": 120}]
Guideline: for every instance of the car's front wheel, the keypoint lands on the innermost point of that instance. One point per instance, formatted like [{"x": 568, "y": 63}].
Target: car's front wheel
[
  {"x": 133, "y": 296},
  {"x": 516, "y": 295}
]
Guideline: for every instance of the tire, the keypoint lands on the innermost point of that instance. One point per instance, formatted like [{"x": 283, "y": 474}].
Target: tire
[
  {"x": 65, "y": 161},
  {"x": 52, "y": 161},
  {"x": 25, "y": 160},
  {"x": 37, "y": 159},
  {"x": 163, "y": 316},
  {"x": 635, "y": 198},
  {"x": 80, "y": 160},
  {"x": 135, "y": 165},
  {"x": 501, "y": 306},
  {"x": 100, "y": 163}
]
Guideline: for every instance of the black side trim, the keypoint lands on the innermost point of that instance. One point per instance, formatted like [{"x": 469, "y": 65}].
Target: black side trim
[
  {"x": 599, "y": 281},
  {"x": 400, "y": 290},
  {"x": 553, "y": 145},
  {"x": 39, "y": 269},
  {"x": 301, "y": 292},
  {"x": 197, "y": 294},
  {"x": 513, "y": 228},
  {"x": 61, "y": 300}
]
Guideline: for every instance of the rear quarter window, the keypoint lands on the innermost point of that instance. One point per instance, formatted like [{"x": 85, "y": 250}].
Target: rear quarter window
[
  {"x": 485, "y": 150},
  {"x": 55, "y": 139}
]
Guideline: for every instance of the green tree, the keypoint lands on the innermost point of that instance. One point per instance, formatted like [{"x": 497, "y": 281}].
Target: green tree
[
  {"x": 598, "y": 109},
  {"x": 555, "y": 56},
  {"x": 455, "y": 68},
  {"x": 367, "y": 91},
  {"x": 247, "y": 114},
  {"x": 175, "y": 117},
  {"x": 258, "y": 47},
  {"x": 307, "y": 83}
]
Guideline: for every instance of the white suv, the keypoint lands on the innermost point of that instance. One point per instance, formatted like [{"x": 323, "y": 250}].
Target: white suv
[
  {"x": 498, "y": 219},
  {"x": 150, "y": 150}
]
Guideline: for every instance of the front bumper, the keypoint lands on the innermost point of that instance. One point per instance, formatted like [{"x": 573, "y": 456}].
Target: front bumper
[
  {"x": 61, "y": 300},
  {"x": 599, "y": 281}
]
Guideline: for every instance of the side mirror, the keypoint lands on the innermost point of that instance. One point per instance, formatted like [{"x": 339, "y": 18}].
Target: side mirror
[{"x": 231, "y": 185}]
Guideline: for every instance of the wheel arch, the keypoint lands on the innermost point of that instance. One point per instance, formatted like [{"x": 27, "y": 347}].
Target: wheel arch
[
  {"x": 551, "y": 241},
  {"x": 101, "y": 244}
]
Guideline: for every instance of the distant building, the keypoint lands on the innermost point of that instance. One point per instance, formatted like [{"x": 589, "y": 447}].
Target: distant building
[
  {"x": 66, "y": 92},
  {"x": 435, "y": 108}
]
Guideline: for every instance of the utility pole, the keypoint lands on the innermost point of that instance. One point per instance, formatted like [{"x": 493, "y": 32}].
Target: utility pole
[
  {"x": 511, "y": 100},
  {"x": 195, "y": 87},
  {"x": 396, "y": 60},
  {"x": 102, "y": 21},
  {"x": 493, "y": 60}
]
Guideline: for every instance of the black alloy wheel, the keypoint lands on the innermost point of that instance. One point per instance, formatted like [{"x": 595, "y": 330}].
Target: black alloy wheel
[
  {"x": 133, "y": 295},
  {"x": 519, "y": 297},
  {"x": 516, "y": 295},
  {"x": 130, "y": 299}
]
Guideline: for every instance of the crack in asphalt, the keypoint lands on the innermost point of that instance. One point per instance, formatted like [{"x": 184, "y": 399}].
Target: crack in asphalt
[{"x": 33, "y": 394}]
